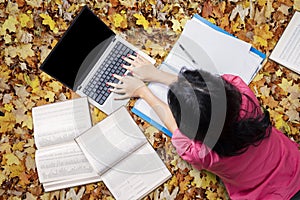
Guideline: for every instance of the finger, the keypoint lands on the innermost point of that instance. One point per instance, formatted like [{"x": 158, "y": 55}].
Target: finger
[
  {"x": 127, "y": 59},
  {"x": 130, "y": 68},
  {"x": 114, "y": 85},
  {"x": 116, "y": 90},
  {"x": 131, "y": 56},
  {"x": 117, "y": 77}
]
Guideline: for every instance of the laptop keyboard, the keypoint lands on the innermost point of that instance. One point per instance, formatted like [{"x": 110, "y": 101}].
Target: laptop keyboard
[{"x": 96, "y": 88}]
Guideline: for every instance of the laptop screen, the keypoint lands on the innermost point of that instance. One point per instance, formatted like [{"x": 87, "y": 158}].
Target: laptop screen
[{"x": 84, "y": 34}]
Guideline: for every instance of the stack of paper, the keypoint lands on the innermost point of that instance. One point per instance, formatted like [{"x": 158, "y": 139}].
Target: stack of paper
[{"x": 202, "y": 45}]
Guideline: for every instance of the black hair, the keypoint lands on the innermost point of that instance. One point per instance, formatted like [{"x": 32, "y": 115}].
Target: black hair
[{"x": 207, "y": 105}]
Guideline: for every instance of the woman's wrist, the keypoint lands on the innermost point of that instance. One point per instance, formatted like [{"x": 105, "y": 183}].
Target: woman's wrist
[{"x": 163, "y": 77}]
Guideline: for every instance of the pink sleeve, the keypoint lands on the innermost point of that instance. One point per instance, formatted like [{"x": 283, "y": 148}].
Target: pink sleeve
[
  {"x": 196, "y": 153},
  {"x": 244, "y": 89}
]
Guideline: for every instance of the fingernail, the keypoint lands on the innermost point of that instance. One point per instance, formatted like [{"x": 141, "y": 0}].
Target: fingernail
[
  {"x": 108, "y": 90},
  {"x": 123, "y": 57},
  {"x": 113, "y": 75},
  {"x": 123, "y": 75},
  {"x": 106, "y": 84},
  {"x": 128, "y": 54},
  {"x": 122, "y": 65}
]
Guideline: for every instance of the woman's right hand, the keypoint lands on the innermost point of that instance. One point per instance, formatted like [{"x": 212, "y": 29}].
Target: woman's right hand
[{"x": 141, "y": 68}]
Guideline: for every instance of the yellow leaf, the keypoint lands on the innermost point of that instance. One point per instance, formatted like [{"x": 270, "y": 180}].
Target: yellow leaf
[
  {"x": 56, "y": 86},
  {"x": 8, "y": 107},
  {"x": 24, "y": 51},
  {"x": 260, "y": 41},
  {"x": 269, "y": 9},
  {"x": 9, "y": 24},
  {"x": 278, "y": 72},
  {"x": 297, "y": 5},
  {"x": 11, "y": 159},
  {"x": 285, "y": 84},
  {"x": 34, "y": 3},
  {"x": 18, "y": 146},
  {"x": 7, "y": 122},
  {"x": 7, "y": 39},
  {"x": 206, "y": 180},
  {"x": 25, "y": 21},
  {"x": 197, "y": 180},
  {"x": 27, "y": 122},
  {"x": 50, "y": 95},
  {"x": 262, "y": 2},
  {"x": 141, "y": 20},
  {"x": 211, "y": 195},
  {"x": 34, "y": 84},
  {"x": 281, "y": 124},
  {"x": 176, "y": 25},
  {"x": 47, "y": 20},
  {"x": 119, "y": 20},
  {"x": 3, "y": 177},
  {"x": 5, "y": 148}
]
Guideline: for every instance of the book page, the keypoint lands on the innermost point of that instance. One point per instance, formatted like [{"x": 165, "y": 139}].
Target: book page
[
  {"x": 137, "y": 175},
  {"x": 63, "y": 162},
  {"x": 287, "y": 50},
  {"x": 58, "y": 185},
  {"x": 60, "y": 122},
  {"x": 111, "y": 140}
]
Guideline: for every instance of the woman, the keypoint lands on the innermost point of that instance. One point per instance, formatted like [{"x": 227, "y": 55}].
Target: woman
[{"x": 254, "y": 160}]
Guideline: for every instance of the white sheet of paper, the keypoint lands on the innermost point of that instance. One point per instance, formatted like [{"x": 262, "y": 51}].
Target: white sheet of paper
[
  {"x": 60, "y": 122},
  {"x": 63, "y": 162},
  {"x": 111, "y": 140},
  {"x": 287, "y": 50},
  {"x": 136, "y": 175}
]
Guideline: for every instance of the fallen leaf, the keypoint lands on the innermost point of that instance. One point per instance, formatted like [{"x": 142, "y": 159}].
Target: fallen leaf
[
  {"x": 10, "y": 159},
  {"x": 26, "y": 20},
  {"x": 176, "y": 25},
  {"x": 141, "y": 20},
  {"x": 47, "y": 20},
  {"x": 197, "y": 177},
  {"x": 34, "y": 3},
  {"x": 165, "y": 194},
  {"x": 7, "y": 122},
  {"x": 9, "y": 24}
]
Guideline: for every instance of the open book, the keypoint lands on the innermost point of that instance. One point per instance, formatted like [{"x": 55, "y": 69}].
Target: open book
[
  {"x": 287, "y": 50},
  {"x": 203, "y": 45},
  {"x": 59, "y": 160},
  {"x": 120, "y": 153}
]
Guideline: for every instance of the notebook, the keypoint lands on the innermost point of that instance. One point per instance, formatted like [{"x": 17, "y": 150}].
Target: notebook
[{"x": 85, "y": 58}]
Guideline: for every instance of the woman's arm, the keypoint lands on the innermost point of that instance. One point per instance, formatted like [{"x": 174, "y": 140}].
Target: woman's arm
[
  {"x": 134, "y": 87},
  {"x": 143, "y": 69}
]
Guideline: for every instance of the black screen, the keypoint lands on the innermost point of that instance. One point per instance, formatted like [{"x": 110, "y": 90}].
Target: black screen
[{"x": 83, "y": 35}]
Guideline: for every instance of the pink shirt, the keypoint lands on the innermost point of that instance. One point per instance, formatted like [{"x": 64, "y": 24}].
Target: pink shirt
[{"x": 270, "y": 170}]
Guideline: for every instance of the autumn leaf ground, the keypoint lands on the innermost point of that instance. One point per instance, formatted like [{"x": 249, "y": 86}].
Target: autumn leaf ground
[{"x": 31, "y": 28}]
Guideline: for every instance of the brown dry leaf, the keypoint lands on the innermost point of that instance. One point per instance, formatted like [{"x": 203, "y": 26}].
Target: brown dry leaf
[
  {"x": 259, "y": 16},
  {"x": 293, "y": 115}
]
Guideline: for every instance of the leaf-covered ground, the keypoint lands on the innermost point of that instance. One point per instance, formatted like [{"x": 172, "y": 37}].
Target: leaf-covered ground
[{"x": 29, "y": 29}]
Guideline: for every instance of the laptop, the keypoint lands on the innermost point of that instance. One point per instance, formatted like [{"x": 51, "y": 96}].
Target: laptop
[{"x": 85, "y": 58}]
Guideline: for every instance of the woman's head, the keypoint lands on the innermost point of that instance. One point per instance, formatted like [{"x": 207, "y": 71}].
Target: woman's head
[{"x": 206, "y": 108}]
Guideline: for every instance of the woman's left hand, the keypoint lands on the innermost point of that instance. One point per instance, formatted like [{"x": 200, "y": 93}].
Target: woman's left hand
[{"x": 129, "y": 87}]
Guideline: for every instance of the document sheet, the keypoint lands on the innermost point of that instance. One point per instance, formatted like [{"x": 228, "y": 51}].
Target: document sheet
[
  {"x": 287, "y": 50},
  {"x": 121, "y": 154},
  {"x": 60, "y": 161}
]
